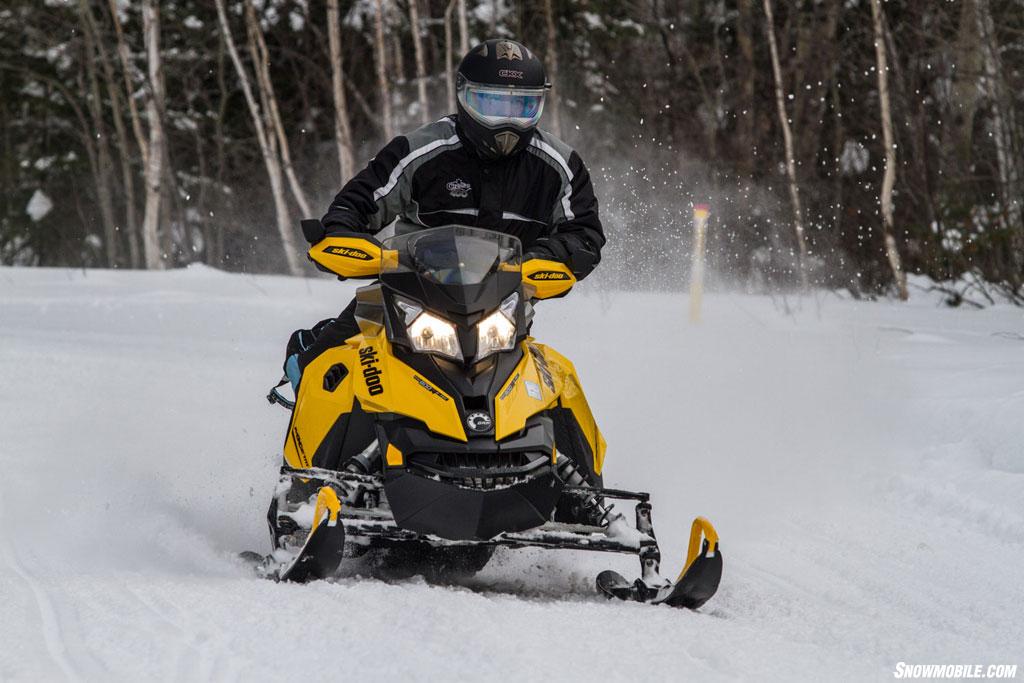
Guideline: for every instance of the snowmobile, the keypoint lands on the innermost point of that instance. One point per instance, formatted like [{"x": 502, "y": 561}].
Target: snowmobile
[{"x": 444, "y": 430}]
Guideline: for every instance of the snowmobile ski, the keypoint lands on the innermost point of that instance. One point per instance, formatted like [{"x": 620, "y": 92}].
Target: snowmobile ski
[
  {"x": 694, "y": 586},
  {"x": 320, "y": 554}
]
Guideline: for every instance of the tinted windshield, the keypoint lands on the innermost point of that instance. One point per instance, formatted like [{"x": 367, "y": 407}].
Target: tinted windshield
[{"x": 453, "y": 255}]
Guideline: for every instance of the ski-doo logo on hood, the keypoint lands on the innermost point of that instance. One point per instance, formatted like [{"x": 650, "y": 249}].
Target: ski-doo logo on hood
[
  {"x": 479, "y": 422},
  {"x": 459, "y": 188},
  {"x": 371, "y": 373},
  {"x": 348, "y": 252}
]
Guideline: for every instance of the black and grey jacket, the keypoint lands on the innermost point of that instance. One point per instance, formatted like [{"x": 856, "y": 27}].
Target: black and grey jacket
[{"x": 430, "y": 177}]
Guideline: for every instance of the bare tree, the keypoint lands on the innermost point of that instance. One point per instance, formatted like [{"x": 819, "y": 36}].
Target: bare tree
[
  {"x": 551, "y": 56},
  {"x": 747, "y": 75},
  {"x": 421, "y": 69},
  {"x": 787, "y": 138},
  {"x": 382, "y": 70},
  {"x": 151, "y": 256},
  {"x": 271, "y": 112},
  {"x": 104, "y": 184},
  {"x": 268, "y": 147},
  {"x": 342, "y": 130},
  {"x": 889, "y": 178},
  {"x": 126, "y": 72},
  {"x": 154, "y": 119},
  {"x": 124, "y": 152},
  {"x": 448, "y": 75},
  {"x": 463, "y": 28},
  {"x": 1002, "y": 126}
]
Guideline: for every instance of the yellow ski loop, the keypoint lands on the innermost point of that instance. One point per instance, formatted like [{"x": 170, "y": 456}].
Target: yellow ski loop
[
  {"x": 326, "y": 501},
  {"x": 701, "y": 529}
]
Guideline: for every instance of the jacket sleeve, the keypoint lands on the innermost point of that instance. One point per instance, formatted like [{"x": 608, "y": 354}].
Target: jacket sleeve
[
  {"x": 576, "y": 235},
  {"x": 373, "y": 197}
]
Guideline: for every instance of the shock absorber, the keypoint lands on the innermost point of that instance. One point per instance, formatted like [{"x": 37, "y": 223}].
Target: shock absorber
[
  {"x": 365, "y": 462},
  {"x": 591, "y": 507}
]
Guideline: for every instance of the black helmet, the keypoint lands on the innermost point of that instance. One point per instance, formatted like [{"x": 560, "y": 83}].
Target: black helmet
[{"x": 501, "y": 87}]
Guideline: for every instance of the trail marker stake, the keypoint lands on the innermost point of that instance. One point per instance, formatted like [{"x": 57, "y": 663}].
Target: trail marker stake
[{"x": 700, "y": 226}]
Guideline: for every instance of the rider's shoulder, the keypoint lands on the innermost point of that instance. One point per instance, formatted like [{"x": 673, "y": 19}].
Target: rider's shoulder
[
  {"x": 553, "y": 146},
  {"x": 442, "y": 130}
]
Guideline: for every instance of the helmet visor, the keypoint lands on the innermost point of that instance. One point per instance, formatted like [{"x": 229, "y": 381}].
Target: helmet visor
[{"x": 497, "y": 107}]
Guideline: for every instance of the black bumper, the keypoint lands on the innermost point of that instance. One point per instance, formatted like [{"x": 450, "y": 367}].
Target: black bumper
[
  {"x": 428, "y": 506},
  {"x": 475, "y": 490}
]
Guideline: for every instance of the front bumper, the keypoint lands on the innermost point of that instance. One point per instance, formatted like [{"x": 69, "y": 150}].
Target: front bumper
[{"x": 474, "y": 490}]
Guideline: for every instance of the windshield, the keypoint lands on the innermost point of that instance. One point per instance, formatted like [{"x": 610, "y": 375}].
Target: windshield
[{"x": 453, "y": 255}]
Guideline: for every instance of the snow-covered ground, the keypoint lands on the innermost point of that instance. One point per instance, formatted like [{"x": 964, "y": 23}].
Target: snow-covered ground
[{"x": 863, "y": 462}]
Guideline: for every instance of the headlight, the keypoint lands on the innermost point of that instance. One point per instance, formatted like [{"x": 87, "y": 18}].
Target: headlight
[
  {"x": 497, "y": 332},
  {"x": 431, "y": 334}
]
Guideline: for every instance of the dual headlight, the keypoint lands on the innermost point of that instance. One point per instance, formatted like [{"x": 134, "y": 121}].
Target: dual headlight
[{"x": 430, "y": 334}]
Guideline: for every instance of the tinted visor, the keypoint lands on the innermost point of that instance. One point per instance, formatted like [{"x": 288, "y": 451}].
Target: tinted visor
[{"x": 496, "y": 107}]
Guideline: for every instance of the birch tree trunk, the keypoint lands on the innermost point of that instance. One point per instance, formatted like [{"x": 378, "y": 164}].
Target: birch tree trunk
[
  {"x": 342, "y": 130},
  {"x": 449, "y": 76},
  {"x": 551, "y": 57},
  {"x": 138, "y": 251},
  {"x": 787, "y": 138},
  {"x": 261, "y": 58},
  {"x": 748, "y": 69},
  {"x": 268, "y": 148},
  {"x": 382, "y": 71},
  {"x": 127, "y": 178},
  {"x": 889, "y": 178},
  {"x": 421, "y": 69},
  {"x": 463, "y": 29},
  {"x": 1002, "y": 127},
  {"x": 398, "y": 60},
  {"x": 104, "y": 185},
  {"x": 126, "y": 73},
  {"x": 216, "y": 253},
  {"x": 155, "y": 161}
]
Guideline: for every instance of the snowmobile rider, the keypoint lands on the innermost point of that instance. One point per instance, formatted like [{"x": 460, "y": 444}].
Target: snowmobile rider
[{"x": 487, "y": 166}]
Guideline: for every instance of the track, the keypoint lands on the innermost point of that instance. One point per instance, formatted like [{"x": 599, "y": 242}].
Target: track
[{"x": 861, "y": 462}]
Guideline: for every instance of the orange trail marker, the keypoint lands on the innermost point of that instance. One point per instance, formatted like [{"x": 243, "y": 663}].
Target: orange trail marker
[{"x": 700, "y": 224}]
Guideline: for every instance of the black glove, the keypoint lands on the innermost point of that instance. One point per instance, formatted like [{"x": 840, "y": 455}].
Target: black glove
[{"x": 538, "y": 250}]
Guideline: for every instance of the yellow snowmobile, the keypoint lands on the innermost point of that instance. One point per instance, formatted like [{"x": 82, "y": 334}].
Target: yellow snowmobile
[{"x": 444, "y": 430}]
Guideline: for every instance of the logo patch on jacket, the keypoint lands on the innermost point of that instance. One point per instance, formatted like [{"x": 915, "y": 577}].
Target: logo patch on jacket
[{"x": 459, "y": 188}]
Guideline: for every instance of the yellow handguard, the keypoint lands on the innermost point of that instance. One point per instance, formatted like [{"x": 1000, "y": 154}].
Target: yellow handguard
[
  {"x": 547, "y": 279},
  {"x": 350, "y": 256}
]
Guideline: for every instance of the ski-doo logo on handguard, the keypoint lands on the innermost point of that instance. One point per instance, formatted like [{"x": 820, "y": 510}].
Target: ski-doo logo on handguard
[
  {"x": 371, "y": 373},
  {"x": 348, "y": 252},
  {"x": 549, "y": 275}
]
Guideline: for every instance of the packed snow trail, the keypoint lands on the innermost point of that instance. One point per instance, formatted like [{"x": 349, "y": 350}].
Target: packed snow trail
[{"x": 863, "y": 463}]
